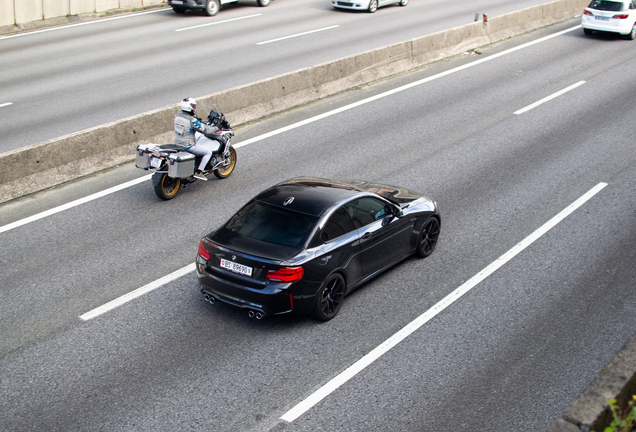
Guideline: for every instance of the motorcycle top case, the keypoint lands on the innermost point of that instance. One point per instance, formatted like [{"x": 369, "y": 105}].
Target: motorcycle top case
[
  {"x": 180, "y": 165},
  {"x": 143, "y": 155}
]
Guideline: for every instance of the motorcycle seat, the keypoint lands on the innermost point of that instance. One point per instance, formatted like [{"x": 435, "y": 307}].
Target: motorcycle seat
[{"x": 170, "y": 147}]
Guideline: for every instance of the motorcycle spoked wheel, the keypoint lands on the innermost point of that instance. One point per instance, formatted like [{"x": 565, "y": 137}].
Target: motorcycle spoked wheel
[
  {"x": 166, "y": 187},
  {"x": 228, "y": 166}
]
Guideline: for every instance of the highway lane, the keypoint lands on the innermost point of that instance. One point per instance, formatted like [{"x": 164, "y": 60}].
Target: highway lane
[
  {"x": 73, "y": 78},
  {"x": 510, "y": 355}
]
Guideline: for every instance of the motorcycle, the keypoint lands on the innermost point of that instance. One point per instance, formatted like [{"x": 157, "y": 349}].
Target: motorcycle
[{"x": 175, "y": 167}]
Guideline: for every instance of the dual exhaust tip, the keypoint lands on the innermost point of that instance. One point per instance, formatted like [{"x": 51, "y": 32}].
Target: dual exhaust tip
[
  {"x": 255, "y": 314},
  {"x": 252, "y": 313}
]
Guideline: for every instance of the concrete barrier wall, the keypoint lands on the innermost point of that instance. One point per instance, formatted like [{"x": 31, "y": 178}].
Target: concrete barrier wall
[
  {"x": 28, "y": 10},
  {"x": 7, "y": 12},
  {"x": 25, "y": 11},
  {"x": 54, "y": 9},
  {"x": 62, "y": 159}
]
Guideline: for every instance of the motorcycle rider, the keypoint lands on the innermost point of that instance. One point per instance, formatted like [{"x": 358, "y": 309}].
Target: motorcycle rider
[{"x": 185, "y": 125}]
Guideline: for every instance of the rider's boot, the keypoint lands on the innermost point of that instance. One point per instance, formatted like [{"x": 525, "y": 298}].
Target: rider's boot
[{"x": 201, "y": 175}]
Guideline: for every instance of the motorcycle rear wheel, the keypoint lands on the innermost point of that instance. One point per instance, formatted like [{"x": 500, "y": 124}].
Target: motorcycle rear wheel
[
  {"x": 166, "y": 187},
  {"x": 228, "y": 166}
]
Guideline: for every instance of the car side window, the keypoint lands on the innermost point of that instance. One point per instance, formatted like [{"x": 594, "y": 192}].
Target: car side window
[
  {"x": 339, "y": 223},
  {"x": 366, "y": 210}
]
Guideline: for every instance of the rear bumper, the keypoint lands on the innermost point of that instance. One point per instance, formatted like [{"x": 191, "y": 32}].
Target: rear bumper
[
  {"x": 353, "y": 5},
  {"x": 270, "y": 299},
  {"x": 621, "y": 26},
  {"x": 188, "y": 4}
]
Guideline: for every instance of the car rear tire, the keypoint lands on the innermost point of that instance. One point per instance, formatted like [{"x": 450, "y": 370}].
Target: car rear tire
[
  {"x": 263, "y": 3},
  {"x": 229, "y": 166},
  {"x": 427, "y": 239},
  {"x": 373, "y": 6},
  {"x": 329, "y": 298},
  {"x": 178, "y": 9},
  {"x": 404, "y": 2},
  {"x": 212, "y": 7},
  {"x": 587, "y": 31},
  {"x": 166, "y": 187},
  {"x": 632, "y": 34}
]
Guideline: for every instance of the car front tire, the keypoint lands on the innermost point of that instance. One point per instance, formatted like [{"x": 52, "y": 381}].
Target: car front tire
[
  {"x": 404, "y": 2},
  {"x": 212, "y": 7},
  {"x": 427, "y": 240},
  {"x": 263, "y": 3},
  {"x": 373, "y": 6}
]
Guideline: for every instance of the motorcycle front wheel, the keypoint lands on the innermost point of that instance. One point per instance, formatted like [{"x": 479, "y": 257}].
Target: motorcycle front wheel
[
  {"x": 166, "y": 187},
  {"x": 228, "y": 165}
]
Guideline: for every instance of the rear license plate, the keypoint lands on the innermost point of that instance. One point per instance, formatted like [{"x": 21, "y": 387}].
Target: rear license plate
[
  {"x": 600, "y": 18},
  {"x": 155, "y": 162},
  {"x": 177, "y": 2},
  {"x": 236, "y": 267}
]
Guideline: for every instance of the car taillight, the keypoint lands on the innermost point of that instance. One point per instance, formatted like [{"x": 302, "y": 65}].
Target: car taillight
[
  {"x": 587, "y": 12},
  {"x": 286, "y": 274},
  {"x": 203, "y": 251},
  {"x": 623, "y": 16}
]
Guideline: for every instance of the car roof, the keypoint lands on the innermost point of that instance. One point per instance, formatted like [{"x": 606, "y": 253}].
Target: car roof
[
  {"x": 623, "y": 2},
  {"x": 308, "y": 195}
]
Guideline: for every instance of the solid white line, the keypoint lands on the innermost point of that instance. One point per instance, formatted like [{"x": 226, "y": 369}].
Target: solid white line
[
  {"x": 552, "y": 96},
  {"x": 6, "y": 104},
  {"x": 333, "y": 112},
  {"x": 218, "y": 22},
  {"x": 299, "y": 34},
  {"x": 376, "y": 353},
  {"x": 81, "y": 24},
  {"x": 74, "y": 203},
  {"x": 399, "y": 89},
  {"x": 137, "y": 293}
]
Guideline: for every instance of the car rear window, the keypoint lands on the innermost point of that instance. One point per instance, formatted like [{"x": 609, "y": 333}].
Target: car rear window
[
  {"x": 272, "y": 224},
  {"x": 604, "y": 5}
]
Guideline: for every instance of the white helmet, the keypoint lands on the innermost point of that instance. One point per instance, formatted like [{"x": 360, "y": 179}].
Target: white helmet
[{"x": 189, "y": 105}]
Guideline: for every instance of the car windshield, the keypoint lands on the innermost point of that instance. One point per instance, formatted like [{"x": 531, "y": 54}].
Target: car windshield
[
  {"x": 604, "y": 5},
  {"x": 272, "y": 224}
]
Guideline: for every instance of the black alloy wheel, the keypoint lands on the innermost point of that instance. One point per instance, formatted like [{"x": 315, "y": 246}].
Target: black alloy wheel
[
  {"x": 428, "y": 237},
  {"x": 373, "y": 6},
  {"x": 330, "y": 297},
  {"x": 212, "y": 7}
]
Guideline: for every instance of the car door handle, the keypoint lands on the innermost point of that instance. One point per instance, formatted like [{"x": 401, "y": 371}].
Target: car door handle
[{"x": 366, "y": 235}]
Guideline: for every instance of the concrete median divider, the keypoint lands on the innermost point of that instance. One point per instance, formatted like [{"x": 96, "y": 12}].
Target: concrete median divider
[{"x": 43, "y": 165}]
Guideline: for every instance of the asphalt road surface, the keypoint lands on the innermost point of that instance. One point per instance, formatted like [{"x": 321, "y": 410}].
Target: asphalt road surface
[
  {"x": 508, "y": 354},
  {"x": 61, "y": 81}
]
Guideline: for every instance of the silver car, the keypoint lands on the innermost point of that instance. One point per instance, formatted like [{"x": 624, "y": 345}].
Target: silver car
[{"x": 366, "y": 5}]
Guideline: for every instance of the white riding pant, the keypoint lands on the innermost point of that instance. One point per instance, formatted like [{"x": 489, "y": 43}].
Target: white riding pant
[{"x": 204, "y": 147}]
